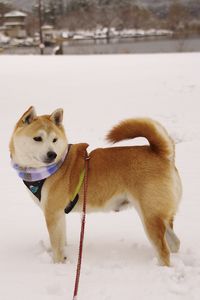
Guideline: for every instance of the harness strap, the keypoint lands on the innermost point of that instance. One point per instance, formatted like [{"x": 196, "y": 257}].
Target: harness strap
[
  {"x": 71, "y": 204},
  {"x": 75, "y": 195}
]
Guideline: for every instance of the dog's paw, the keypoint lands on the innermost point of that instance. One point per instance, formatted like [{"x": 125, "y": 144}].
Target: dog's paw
[{"x": 59, "y": 258}]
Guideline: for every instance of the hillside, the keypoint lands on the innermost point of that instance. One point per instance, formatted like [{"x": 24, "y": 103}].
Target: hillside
[{"x": 155, "y": 4}]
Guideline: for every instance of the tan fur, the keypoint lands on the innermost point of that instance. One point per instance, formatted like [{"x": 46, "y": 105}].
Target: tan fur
[{"x": 142, "y": 175}]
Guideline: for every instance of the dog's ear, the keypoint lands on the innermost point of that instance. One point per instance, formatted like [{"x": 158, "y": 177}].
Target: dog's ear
[
  {"x": 57, "y": 116},
  {"x": 29, "y": 116}
]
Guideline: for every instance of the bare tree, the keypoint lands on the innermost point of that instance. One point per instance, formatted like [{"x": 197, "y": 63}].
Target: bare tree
[
  {"x": 32, "y": 24},
  {"x": 4, "y": 8},
  {"x": 177, "y": 16}
]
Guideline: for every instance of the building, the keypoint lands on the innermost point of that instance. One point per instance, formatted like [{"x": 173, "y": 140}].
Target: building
[
  {"x": 50, "y": 35},
  {"x": 14, "y": 23}
]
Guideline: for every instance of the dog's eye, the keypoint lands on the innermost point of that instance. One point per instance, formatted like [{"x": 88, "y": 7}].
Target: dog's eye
[
  {"x": 55, "y": 140},
  {"x": 38, "y": 139}
]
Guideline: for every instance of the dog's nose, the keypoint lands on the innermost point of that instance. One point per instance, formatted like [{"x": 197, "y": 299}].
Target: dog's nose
[{"x": 51, "y": 155}]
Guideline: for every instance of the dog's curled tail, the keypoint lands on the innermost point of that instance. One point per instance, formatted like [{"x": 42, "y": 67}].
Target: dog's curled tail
[{"x": 160, "y": 142}]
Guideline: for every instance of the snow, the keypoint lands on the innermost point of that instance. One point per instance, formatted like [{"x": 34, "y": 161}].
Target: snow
[
  {"x": 15, "y": 13},
  {"x": 102, "y": 33},
  {"x": 4, "y": 39},
  {"x": 96, "y": 92}
]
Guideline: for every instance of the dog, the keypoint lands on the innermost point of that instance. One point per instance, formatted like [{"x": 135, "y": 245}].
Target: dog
[{"x": 144, "y": 177}]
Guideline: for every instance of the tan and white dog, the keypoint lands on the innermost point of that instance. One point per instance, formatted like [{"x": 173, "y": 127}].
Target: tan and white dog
[{"x": 141, "y": 176}]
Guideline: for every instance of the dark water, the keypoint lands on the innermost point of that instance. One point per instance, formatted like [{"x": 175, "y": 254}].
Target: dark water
[{"x": 115, "y": 46}]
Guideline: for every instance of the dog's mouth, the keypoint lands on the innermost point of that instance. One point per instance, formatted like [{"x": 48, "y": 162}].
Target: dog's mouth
[
  {"x": 48, "y": 161},
  {"x": 44, "y": 161}
]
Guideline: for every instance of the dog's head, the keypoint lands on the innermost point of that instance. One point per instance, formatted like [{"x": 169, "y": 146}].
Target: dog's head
[{"x": 38, "y": 141}]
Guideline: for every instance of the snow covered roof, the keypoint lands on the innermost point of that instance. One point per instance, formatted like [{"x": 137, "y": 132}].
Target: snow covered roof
[
  {"x": 47, "y": 27},
  {"x": 13, "y": 24},
  {"x": 15, "y": 13}
]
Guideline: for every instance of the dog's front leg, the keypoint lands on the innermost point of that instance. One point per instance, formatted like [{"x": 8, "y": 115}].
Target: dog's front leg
[{"x": 57, "y": 233}]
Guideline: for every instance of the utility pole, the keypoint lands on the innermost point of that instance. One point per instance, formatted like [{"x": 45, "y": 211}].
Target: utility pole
[{"x": 40, "y": 27}]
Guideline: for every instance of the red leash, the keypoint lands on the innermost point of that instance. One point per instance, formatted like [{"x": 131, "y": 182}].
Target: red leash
[{"x": 80, "y": 254}]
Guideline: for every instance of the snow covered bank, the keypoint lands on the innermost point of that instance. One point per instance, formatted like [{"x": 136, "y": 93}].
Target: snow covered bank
[{"x": 96, "y": 92}]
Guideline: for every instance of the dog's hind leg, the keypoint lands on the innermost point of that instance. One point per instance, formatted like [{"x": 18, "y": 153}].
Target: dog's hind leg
[
  {"x": 56, "y": 228},
  {"x": 172, "y": 240},
  {"x": 156, "y": 229}
]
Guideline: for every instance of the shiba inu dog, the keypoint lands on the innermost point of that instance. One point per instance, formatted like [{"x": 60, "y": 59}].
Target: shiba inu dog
[{"x": 141, "y": 176}]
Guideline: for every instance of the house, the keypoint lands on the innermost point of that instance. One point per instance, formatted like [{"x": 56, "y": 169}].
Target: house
[
  {"x": 14, "y": 23},
  {"x": 2, "y": 29},
  {"x": 49, "y": 35}
]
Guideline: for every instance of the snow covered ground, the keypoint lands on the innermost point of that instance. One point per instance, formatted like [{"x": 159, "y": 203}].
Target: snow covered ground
[{"x": 96, "y": 92}]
